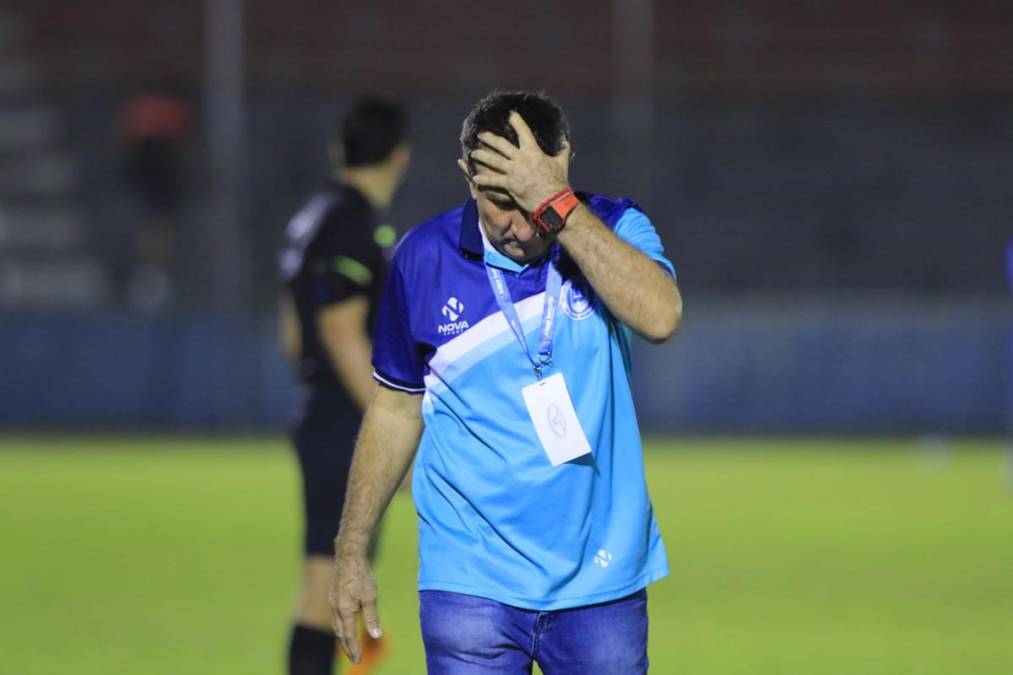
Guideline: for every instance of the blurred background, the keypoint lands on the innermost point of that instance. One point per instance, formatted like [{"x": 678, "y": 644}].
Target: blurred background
[{"x": 832, "y": 180}]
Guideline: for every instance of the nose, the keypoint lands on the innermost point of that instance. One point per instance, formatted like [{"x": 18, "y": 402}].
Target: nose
[{"x": 522, "y": 228}]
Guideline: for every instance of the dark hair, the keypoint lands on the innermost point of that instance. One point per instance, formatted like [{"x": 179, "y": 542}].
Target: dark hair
[
  {"x": 492, "y": 113},
  {"x": 371, "y": 129}
]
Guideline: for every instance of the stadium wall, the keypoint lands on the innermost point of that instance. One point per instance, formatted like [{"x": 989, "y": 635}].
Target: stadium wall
[
  {"x": 829, "y": 197},
  {"x": 752, "y": 365}
]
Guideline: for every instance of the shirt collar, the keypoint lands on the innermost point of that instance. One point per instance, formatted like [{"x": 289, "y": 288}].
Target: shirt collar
[
  {"x": 471, "y": 234},
  {"x": 352, "y": 195}
]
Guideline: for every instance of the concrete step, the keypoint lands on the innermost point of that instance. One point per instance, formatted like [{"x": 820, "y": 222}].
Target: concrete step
[
  {"x": 52, "y": 173},
  {"x": 40, "y": 228},
  {"x": 12, "y": 31},
  {"x": 70, "y": 282},
  {"x": 29, "y": 127},
  {"x": 19, "y": 76},
  {"x": 22, "y": 201}
]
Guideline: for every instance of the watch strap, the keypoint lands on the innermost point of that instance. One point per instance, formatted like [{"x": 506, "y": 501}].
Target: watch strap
[{"x": 550, "y": 216}]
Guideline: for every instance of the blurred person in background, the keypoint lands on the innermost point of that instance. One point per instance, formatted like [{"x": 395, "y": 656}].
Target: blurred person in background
[
  {"x": 537, "y": 538},
  {"x": 333, "y": 267},
  {"x": 154, "y": 128}
]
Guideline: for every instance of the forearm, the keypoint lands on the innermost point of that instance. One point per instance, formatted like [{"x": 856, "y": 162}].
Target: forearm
[
  {"x": 351, "y": 361},
  {"x": 342, "y": 328},
  {"x": 288, "y": 329},
  {"x": 385, "y": 448},
  {"x": 634, "y": 288}
]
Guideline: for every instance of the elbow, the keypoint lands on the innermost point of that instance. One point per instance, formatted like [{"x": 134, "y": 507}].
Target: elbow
[
  {"x": 662, "y": 329},
  {"x": 666, "y": 321}
]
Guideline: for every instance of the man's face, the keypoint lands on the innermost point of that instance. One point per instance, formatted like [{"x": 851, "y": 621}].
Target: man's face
[{"x": 507, "y": 227}]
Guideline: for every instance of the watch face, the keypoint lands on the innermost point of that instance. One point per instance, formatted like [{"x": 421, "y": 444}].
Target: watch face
[{"x": 551, "y": 218}]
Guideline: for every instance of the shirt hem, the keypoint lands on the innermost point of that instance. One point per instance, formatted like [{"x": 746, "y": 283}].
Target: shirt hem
[{"x": 542, "y": 605}]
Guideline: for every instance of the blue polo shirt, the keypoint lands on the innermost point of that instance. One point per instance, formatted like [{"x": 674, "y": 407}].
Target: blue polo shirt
[{"x": 496, "y": 519}]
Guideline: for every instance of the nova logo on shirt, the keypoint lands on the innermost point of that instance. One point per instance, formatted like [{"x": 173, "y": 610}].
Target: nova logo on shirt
[{"x": 452, "y": 310}]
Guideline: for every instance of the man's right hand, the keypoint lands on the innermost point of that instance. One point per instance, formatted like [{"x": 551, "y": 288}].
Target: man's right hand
[
  {"x": 388, "y": 437},
  {"x": 353, "y": 590}
]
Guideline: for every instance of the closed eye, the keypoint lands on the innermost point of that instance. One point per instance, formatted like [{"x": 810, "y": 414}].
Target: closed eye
[{"x": 501, "y": 200}]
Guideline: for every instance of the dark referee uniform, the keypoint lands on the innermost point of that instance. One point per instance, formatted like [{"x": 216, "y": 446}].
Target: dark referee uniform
[{"x": 333, "y": 250}]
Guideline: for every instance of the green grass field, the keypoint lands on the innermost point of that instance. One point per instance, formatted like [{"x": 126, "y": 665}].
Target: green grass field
[{"x": 180, "y": 556}]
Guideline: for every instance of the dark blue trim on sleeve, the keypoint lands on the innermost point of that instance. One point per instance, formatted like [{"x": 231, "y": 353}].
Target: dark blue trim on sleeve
[{"x": 396, "y": 384}]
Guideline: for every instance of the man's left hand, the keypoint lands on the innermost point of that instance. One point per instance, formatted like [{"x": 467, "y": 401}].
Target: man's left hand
[{"x": 529, "y": 175}]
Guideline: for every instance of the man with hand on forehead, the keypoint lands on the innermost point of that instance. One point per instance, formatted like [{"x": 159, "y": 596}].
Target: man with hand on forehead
[{"x": 502, "y": 351}]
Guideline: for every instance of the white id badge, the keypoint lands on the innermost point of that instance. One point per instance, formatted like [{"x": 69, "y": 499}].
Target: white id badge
[{"x": 555, "y": 420}]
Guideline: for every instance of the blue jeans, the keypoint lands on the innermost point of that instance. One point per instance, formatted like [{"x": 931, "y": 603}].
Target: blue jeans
[{"x": 468, "y": 635}]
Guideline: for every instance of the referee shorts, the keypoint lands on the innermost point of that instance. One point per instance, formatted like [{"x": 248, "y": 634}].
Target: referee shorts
[{"x": 324, "y": 440}]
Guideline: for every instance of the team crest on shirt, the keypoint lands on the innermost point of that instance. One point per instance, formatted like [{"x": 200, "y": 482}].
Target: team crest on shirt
[{"x": 578, "y": 300}]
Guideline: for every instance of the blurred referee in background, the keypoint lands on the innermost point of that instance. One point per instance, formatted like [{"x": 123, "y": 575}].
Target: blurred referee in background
[{"x": 333, "y": 268}]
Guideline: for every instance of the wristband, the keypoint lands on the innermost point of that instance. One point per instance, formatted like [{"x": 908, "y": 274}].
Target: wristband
[{"x": 550, "y": 216}]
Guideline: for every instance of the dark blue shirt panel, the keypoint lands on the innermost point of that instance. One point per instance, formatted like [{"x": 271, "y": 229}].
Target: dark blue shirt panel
[{"x": 437, "y": 263}]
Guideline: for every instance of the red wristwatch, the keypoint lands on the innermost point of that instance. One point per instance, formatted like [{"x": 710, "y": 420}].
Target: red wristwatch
[{"x": 550, "y": 216}]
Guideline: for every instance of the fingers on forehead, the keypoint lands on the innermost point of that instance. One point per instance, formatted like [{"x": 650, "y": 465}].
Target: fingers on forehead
[
  {"x": 498, "y": 143},
  {"x": 484, "y": 173},
  {"x": 488, "y": 154},
  {"x": 496, "y": 194}
]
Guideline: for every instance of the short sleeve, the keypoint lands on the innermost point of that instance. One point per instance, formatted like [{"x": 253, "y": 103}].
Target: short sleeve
[
  {"x": 397, "y": 363},
  {"x": 341, "y": 266},
  {"x": 636, "y": 229}
]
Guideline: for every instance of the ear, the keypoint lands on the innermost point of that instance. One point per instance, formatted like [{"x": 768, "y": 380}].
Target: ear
[
  {"x": 404, "y": 154},
  {"x": 565, "y": 156},
  {"x": 463, "y": 166},
  {"x": 567, "y": 149}
]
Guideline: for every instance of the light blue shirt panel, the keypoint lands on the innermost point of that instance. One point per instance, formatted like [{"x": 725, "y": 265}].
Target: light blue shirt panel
[
  {"x": 496, "y": 518},
  {"x": 636, "y": 229}
]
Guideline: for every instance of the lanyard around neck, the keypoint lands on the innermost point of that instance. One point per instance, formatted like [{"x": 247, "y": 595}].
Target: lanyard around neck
[{"x": 553, "y": 289}]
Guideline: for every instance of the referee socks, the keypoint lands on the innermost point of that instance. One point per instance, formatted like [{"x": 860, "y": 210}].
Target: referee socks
[{"x": 311, "y": 651}]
